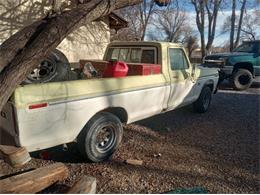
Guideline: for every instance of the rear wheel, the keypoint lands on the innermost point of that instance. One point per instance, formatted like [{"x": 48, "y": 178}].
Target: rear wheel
[
  {"x": 100, "y": 137},
  {"x": 242, "y": 79},
  {"x": 203, "y": 102}
]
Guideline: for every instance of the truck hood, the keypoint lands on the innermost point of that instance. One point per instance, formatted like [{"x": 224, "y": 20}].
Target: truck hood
[
  {"x": 226, "y": 54},
  {"x": 201, "y": 71}
]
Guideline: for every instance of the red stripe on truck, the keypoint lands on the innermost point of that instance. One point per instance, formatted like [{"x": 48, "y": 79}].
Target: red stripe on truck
[{"x": 35, "y": 106}]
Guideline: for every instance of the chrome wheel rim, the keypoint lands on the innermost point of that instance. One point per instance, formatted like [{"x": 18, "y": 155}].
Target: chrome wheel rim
[
  {"x": 105, "y": 138},
  {"x": 46, "y": 69}
]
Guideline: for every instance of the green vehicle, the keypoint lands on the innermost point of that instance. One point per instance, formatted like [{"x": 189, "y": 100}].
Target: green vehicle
[{"x": 240, "y": 67}]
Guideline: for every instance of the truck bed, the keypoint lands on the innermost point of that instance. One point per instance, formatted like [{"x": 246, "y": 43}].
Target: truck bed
[{"x": 54, "y": 113}]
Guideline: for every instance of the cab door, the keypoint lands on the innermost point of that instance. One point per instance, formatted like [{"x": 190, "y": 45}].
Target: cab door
[{"x": 182, "y": 83}]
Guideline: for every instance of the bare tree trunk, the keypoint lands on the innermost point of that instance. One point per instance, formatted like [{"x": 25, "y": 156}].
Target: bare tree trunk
[
  {"x": 233, "y": 20},
  {"x": 203, "y": 48},
  {"x": 242, "y": 10},
  {"x": 200, "y": 21},
  {"x": 212, "y": 20},
  {"x": 10, "y": 47},
  {"x": 145, "y": 17},
  {"x": 202, "y": 27},
  {"x": 44, "y": 37}
]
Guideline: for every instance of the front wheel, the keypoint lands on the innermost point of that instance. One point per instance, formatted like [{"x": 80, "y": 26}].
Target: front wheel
[
  {"x": 242, "y": 79},
  {"x": 203, "y": 102},
  {"x": 100, "y": 137}
]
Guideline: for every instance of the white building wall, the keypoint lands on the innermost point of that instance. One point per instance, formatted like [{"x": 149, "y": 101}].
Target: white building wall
[{"x": 89, "y": 41}]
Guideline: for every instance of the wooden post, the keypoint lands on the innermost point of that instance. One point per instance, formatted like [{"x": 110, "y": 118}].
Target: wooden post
[
  {"x": 14, "y": 156},
  {"x": 134, "y": 162},
  {"x": 34, "y": 181},
  {"x": 86, "y": 185}
]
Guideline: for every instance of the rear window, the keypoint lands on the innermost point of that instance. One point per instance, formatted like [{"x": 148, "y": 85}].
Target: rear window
[
  {"x": 148, "y": 56},
  {"x": 132, "y": 55},
  {"x": 136, "y": 54}
]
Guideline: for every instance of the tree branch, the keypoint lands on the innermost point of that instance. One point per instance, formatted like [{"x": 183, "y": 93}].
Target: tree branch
[{"x": 34, "y": 42}]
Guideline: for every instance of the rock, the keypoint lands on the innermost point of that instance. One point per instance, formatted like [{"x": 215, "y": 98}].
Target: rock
[{"x": 157, "y": 155}]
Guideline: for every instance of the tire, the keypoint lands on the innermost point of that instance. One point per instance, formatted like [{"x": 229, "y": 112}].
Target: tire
[
  {"x": 103, "y": 124},
  {"x": 203, "y": 102},
  {"x": 60, "y": 56},
  {"x": 55, "y": 67},
  {"x": 242, "y": 79}
]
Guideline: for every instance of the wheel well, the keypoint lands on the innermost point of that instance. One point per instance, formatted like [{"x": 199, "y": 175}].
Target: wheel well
[
  {"x": 119, "y": 112},
  {"x": 210, "y": 85},
  {"x": 245, "y": 65}
]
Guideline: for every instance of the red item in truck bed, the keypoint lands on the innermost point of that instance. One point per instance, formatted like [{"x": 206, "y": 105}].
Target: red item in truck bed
[
  {"x": 115, "y": 69},
  {"x": 144, "y": 69}
]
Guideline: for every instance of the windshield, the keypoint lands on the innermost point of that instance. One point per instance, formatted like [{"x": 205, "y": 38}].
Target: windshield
[{"x": 245, "y": 47}]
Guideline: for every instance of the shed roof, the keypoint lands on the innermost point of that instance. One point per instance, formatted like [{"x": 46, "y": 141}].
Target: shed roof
[{"x": 115, "y": 21}]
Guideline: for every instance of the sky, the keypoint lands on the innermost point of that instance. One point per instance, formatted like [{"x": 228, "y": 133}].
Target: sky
[{"x": 220, "y": 38}]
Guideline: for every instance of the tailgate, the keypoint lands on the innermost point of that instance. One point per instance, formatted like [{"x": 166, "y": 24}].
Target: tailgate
[{"x": 8, "y": 127}]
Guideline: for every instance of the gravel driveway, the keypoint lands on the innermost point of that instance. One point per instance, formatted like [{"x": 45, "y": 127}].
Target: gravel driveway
[{"x": 218, "y": 150}]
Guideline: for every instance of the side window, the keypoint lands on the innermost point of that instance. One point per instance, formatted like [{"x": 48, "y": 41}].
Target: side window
[
  {"x": 148, "y": 56},
  {"x": 177, "y": 59}
]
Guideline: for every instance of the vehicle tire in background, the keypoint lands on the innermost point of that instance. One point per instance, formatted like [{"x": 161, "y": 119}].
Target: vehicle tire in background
[
  {"x": 55, "y": 67},
  {"x": 100, "y": 137},
  {"x": 203, "y": 102},
  {"x": 242, "y": 79}
]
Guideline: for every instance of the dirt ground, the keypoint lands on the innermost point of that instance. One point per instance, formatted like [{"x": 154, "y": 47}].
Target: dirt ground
[{"x": 218, "y": 150}]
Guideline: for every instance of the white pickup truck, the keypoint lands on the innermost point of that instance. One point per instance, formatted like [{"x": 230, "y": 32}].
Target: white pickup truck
[{"x": 91, "y": 111}]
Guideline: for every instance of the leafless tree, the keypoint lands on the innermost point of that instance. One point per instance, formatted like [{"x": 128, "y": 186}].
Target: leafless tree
[
  {"x": 247, "y": 27},
  {"x": 15, "y": 14},
  {"x": 21, "y": 52},
  {"x": 234, "y": 40},
  {"x": 250, "y": 25},
  {"x": 212, "y": 7},
  {"x": 170, "y": 22},
  {"x": 199, "y": 6},
  {"x": 232, "y": 29},
  {"x": 242, "y": 11},
  {"x": 134, "y": 30},
  {"x": 191, "y": 44},
  {"x": 138, "y": 17}
]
